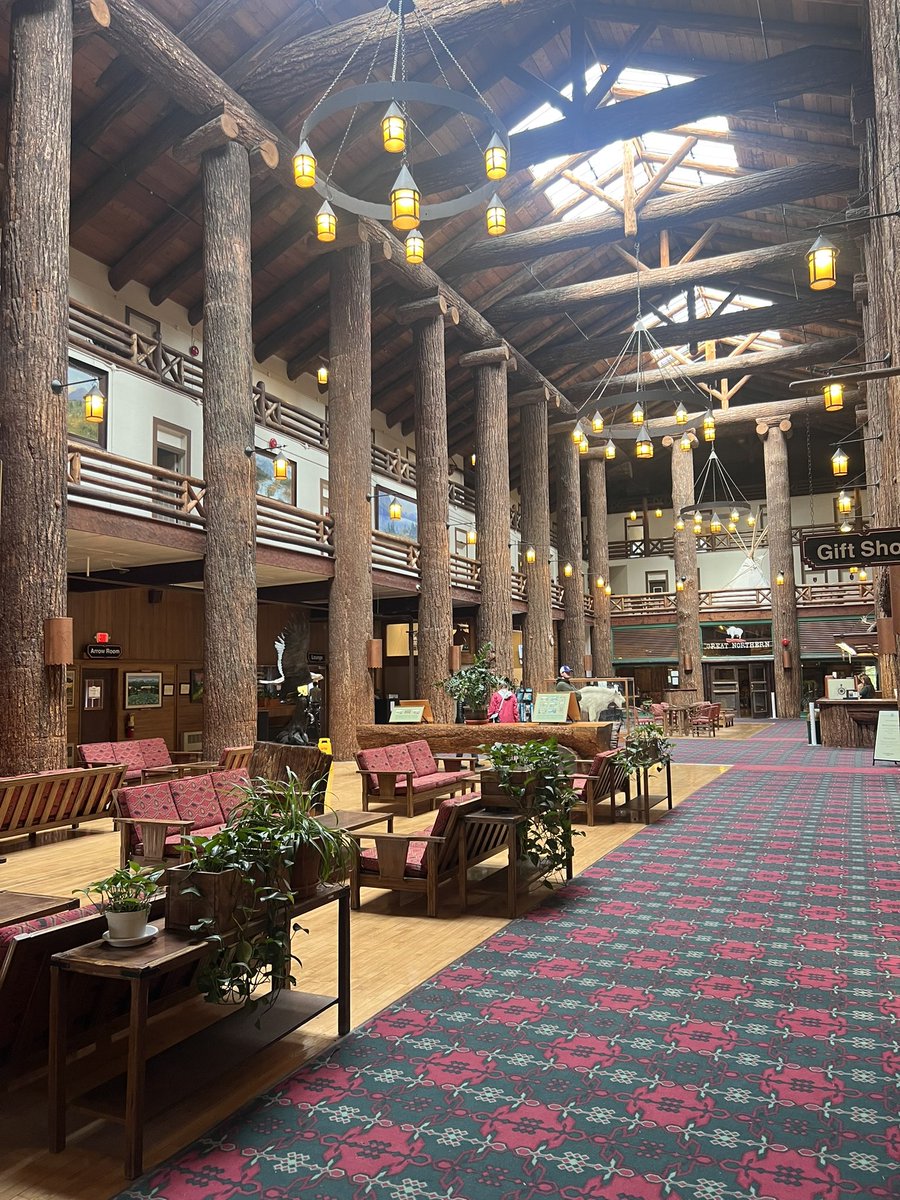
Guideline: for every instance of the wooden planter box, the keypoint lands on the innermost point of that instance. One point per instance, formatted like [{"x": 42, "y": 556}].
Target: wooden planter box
[
  {"x": 224, "y": 895},
  {"x": 493, "y": 796}
]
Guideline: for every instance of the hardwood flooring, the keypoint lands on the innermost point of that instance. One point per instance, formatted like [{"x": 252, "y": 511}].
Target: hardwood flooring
[{"x": 394, "y": 948}]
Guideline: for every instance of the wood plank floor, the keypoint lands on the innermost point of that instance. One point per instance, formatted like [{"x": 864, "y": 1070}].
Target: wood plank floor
[{"x": 394, "y": 948}]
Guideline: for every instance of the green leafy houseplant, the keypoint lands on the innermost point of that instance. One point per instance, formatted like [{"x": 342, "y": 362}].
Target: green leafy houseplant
[
  {"x": 125, "y": 894},
  {"x": 536, "y": 777},
  {"x": 272, "y": 852},
  {"x": 646, "y": 746},
  {"x": 473, "y": 685}
]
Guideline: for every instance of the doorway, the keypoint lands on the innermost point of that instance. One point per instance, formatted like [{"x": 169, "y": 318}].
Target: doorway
[
  {"x": 99, "y": 711},
  {"x": 740, "y": 688}
]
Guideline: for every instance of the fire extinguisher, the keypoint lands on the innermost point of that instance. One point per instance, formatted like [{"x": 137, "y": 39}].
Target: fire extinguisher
[{"x": 129, "y": 725}]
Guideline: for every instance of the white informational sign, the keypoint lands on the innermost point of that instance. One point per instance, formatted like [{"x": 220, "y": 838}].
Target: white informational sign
[{"x": 887, "y": 738}]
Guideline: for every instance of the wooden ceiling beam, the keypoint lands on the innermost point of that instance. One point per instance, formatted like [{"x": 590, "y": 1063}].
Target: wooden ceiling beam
[
  {"x": 732, "y": 26},
  {"x": 617, "y": 63}
]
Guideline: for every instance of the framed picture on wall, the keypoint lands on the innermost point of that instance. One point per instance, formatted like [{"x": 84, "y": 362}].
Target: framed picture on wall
[
  {"x": 168, "y": 689},
  {"x": 407, "y": 524},
  {"x": 70, "y": 687},
  {"x": 143, "y": 689},
  {"x": 184, "y": 689},
  {"x": 195, "y": 689}
]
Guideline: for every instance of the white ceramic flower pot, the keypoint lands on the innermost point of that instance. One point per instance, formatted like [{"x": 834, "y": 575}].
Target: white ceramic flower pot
[{"x": 124, "y": 925}]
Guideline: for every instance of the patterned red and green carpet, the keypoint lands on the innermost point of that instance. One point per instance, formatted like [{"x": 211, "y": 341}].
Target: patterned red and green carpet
[{"x": 711, "y": 1012}]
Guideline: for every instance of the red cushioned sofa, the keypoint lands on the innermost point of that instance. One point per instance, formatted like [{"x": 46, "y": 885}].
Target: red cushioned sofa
[{"x": 409, "y": 772}]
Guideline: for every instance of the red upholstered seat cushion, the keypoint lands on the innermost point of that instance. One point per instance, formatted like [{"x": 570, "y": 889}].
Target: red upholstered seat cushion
[
  {"x": 231, "y": 789},
  {"x": 151, "y": 800},
  {"x": 384, "y": 758},
  {"x": 425, "y": 783},
  {"x": 195, "y": 799},
  {"x": 579, "y": 782},
  {"x": 445, "y": 810},
  {"x": 97, "y": 754},
  {"x": 415, "y": 856},
  {"x": 422, "y": 759},
  {"x": 8, "y": 932},
  {"x": 154, "y": 752},
  {"x": 597, "y": 766}
]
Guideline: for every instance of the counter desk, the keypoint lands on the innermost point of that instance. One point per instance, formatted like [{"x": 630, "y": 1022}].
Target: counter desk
[{"x": 851, "y": 723}]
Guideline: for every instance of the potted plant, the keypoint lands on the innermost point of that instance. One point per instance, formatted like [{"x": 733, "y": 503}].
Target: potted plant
[
  {"x": 534, "y": 778},
  {"x": 125, "y": 898},
  {"x": 646, "y": 746},
  {"x": 241, "y": 883},
  {"x": 473, "y": 685}
]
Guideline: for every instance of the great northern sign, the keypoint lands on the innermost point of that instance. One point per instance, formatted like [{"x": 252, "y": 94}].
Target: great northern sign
[{"x": 877, "y": 546}]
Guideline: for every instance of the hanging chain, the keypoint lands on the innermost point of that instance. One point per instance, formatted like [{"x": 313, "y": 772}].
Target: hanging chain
[
  {"x": 809, "y": 474},
  {"x": 346, "y": 134}
]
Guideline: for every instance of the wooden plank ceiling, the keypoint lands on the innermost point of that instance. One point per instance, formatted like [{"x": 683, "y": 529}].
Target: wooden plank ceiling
[{"x": 136, "y": 209}]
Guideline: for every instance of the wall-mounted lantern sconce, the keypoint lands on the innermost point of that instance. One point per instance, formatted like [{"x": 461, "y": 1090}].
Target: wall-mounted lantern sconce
[
  {"x": 679, "y": 583},
  {"x": 94, "y": 400},
  {"x": 322, "y": 378}
]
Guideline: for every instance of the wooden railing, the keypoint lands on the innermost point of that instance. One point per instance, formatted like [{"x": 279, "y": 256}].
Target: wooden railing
[
  {"x": 98, "y": 478},
  {"x": 707, "y": 543},
  {"x": 820, "y": 595}
]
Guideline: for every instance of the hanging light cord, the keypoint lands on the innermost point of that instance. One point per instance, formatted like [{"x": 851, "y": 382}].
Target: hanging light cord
[{"x": 346, "y": 135}]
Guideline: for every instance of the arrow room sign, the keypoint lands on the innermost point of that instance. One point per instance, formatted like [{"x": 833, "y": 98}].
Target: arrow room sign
[{"x": 877, "y": 547}]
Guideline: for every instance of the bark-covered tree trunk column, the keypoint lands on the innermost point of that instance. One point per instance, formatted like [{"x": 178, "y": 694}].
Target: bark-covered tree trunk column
[
  {"x": 349, "y": 473},
  {"x": 687, "y": 603},
  {"x": 34, "y": 293},
  {"x": 492, "y": 509},
  {"x": 598, "y": 567},
  {"x": 229, "y": 574},
  {"x": 569, "y": 545},
  {"x": 785, "y": 627},
  {"x": 432, "y": 457},
  {"x": 538, "y": 649}
]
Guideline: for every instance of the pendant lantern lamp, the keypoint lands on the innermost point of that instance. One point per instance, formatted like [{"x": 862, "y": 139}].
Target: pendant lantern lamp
[
  {"x": 679, "y": 525},
  {"x": 471, "y": 537},
  {"x": 731, "y": 526},
  {"x": 395, "y": 510},
  {"x": 530, "y": 555},
  {"x": 709, "y": 427},
  {"x": 607, "y": 589},
  {"x": 415, "y": 247},
  {"x": 751, "y": 520},
  {"x": 846, "y": 527},
  {"x": 609, "y": 450},
  {"x": 834, "y": 396},
  {"x": 821, "y": 260},
  {"x": 599, "y": 582},
  {"x": 280, "y": 467},
  {"x": 863, "y": 575},
  {"x": 597, "y": 422},
  {"x": 305, "y": 167},
  {"x": 839, "y": 463},
  {"x": 94, "y": 406},
  {"x": 577, "y": 433},
  {"x": 734, "y": 515},
  {"x": 322, "y": 378},
  {"x": 583, "y": 446},
  {"x": 405, "y": 201},
  {"x": 644, "y": 445},
  {"x": 715, "y": 523},
  {"x": 779, "y": 579},
  {"x": 568, "y": 570},
  {"x": 496, "y": 159},
  {"x": 685, "y": 443},
  {"x": 637, "y": 414},
  {"x": 326, "y": 223},
  {"x": 680, "y": 582},
  {"x": 657, "y": 512},
  {"x": 845, "y": 504},
  {"x": 393, "y": 130},
  {"x": 495, "y": 217},
  {"x": 632, "y": 516},
  {"x": 681, "y": 414}
]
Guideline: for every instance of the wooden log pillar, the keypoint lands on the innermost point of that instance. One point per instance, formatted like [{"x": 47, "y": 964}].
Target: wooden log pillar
[
  {"x": 349, "y": 473},
  {"x": 598, "y": 567},
  {"x": 538, "y": 652},
  {"x": 569, "y": 546},
  {"x": 34, "y": 295},
  {"x": 492, "y": 503},
  {"x": 229, "y": 574},
  {"x": 432, "y": 457},
  {"x": 785, "y": 626},
  {"x": 687, "y": 603}
]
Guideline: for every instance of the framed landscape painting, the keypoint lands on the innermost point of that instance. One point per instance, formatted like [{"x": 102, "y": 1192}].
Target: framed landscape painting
[{"x": 143, "y": 689}]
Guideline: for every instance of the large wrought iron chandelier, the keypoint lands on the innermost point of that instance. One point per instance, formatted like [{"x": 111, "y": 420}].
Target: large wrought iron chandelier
[
  {"x": 400, "y": 101},
  {"x": 720, "y": 508}
]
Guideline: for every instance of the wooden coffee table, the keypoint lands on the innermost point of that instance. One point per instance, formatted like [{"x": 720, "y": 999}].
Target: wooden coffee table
[
  {"x": 16, "y": 907},
  {"x": 339, "y": 818}
]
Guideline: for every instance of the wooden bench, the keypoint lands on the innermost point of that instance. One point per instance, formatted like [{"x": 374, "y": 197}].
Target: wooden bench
[
  {"x": 409, "y": 773},
  {"x": 31, "y": 804}
]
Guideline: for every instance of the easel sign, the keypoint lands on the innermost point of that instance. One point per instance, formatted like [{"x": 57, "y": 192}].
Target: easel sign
[
  {"x": 887, "y": 738},
  {"x": 424, "y": 705},
  {"x": 407, "y": 714},
  {"x": 555, "y": 708}
]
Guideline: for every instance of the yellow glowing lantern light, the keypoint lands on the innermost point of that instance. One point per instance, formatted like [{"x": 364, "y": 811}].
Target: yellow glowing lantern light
[
  {"x": 679, "y": 525},
  {"x": 471, "y": 537},
  {"x": 326, "y": 223},
  {"x": 583, "y": 446},
  {"x": 679, "y": 583},
  {"x": 863, "y": 576},
  {"x": 637, "y": 414},
  {"x": 495, "y": 217},
  {"x": 600, "y": 582},
  {"x": 577, "y": 433},
  {"x": 834, "y": 396},
  {"x": 395, "y": 510},
  {"x": 94, "y": 406},
  {"x": 632, "y": 516},
  {"x": 568, "y": 570},
  {"x": 685, "y": 443},
  {"x": 821, "y": 259},
  {"x": 473, "y": 459},
  {"x": 715, "y": 524},
  {"x": 846, "y": 526},
  {"x": 496, "y": 159},
  {"x": 609, "y": 450},
  {"x": 731, "y": 527},
  {"x": 709, "y": 427},
  {"x": 644, "y": 445},
  {"x": 698, "y": 528},
  {"x": 607, "y": 589},
  {"x": 530, "y": 555},
  {"x": 839, "y": 463},
  {"x": 393, "y": 130},
  {"x": 845, "y": 503},
  {"x": 681, "y": 414},
  {"x": 405, "y": 201},
  {"x": 280, "y": 467},
  {"x": 304, "y": 166},
  {"x": 751, "y": 520},
  {"x": 597, "y": 422},
  {"x": 853, "y": 571},
  {"x": 657, "y": 512},
  {"x": 779, "y": 579},
  {"x": 322, "y": 377},
  {"x": 415, "y": 247}
]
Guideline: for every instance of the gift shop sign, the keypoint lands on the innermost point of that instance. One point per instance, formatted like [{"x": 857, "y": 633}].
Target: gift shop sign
[{"x": 877, "y": 546}]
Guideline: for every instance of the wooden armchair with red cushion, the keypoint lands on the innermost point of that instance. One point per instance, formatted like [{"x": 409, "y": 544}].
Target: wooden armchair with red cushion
[
  {"x": 410, "y": 773},
  {"x": 601, "y": 783}
]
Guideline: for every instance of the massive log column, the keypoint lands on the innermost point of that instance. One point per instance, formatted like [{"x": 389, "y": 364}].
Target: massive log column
[
  {"x": 492, "y": 502},
  {"x": 349, "y": 472},
  {"x": 34, "y": 290},
  {"x": 229, "y": 576},
  {"x": 598, "y": 567},
  {"x": 568, "y": 542},
  {"x": 687, "y": 603},
  {"x": 785, "y": 627},
  {"x": 435, "y": 606},
  {"x": 538, "y": 651}
]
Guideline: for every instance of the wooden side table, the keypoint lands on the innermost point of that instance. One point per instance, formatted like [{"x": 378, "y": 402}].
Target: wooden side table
[
  {"x": 510, "y": 823},
  {"x": 642, "y": 800},
  {"x": 137, "y": 968}
]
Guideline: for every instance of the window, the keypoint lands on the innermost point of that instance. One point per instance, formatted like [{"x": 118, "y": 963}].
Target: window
[
  {"x": 148, "y": 327},
  {"x": 656, "y": 583},
  {"x": 171, "y": 447},
  {"x": 267, "y": 485},
  {"x": 323, "y": 497},
  {"x": 87, "y": 377}
]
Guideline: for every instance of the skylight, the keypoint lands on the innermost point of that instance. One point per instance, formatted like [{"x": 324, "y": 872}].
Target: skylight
[{"x": 708, "y": 300}]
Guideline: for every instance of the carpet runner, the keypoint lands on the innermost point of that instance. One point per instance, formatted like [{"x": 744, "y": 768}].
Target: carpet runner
[
  {"x": 711, "y": 1012},
  {"x": 773, "y": 754}
]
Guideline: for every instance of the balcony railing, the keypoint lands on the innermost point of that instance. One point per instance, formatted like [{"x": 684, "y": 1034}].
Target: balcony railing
[{"x": 815, "y": 595}]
